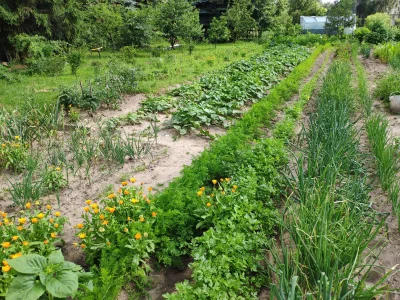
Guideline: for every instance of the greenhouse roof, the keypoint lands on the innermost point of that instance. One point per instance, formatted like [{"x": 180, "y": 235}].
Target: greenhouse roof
[{"x": 313, "y": 19}]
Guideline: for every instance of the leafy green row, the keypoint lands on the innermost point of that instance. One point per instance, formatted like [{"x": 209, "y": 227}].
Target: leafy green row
[{"x": 219, "y": 95}]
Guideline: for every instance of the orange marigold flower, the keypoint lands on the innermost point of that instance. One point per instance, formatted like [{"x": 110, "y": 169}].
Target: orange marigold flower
[
  {"x": 154, "y": 214},
  {"x": 5, "y": 263},
  {"x": 6, "y": 269},
  {"x": 45, "y": 242},
  {"x": 56, "y": 225},
  {"x": 148, "y": 201},
  {"x": 48, "y": 206},
  {"x": 112, "y": 209},
  {"x": 6, "y": 244},
  {"x": 19, "y": 228},
  {"x": 83, "y": 246},
  {"x": 119, "y": 191},
  {"x": 28, "y": 205},
  {"x": 208, "y": 204},
  {"x": 214, "y": 181},
  {"x": 15, "y": 237},
  {"x": 82, "y": 235},
  {"x": 51, "y": 220},
  {"x": 235, "y": 187},
  {"x": 53, "y": 235},
  {"x": 126, "y": 192},
  {"x": 3, "y": 214},
  {"x": 150, "y": 189},
  {"x": 25, "y": 243},
  {"x": 133, "y": 180},
  {"x": 124, "y": 183},
  {"x": 102, "y": 217},
  {"x": 86, "y": 208},
  {"x": 141, "y": 219},
  {"x": 88, "y": 202},
  {"x": 121, "y": 202},
  {"x": 128, "y": 218},
  {"x": 19, "y": 254},
  {"x": 202, "y": 188},
  {"x": 111, "y": 196},
  {"x": 57, "y": 214},
  {"x": 105, "y": 222},
  {"x": 233, "y": 190},
  {"x": 34, "y": 220},
  {"x": 96, "y": 211},
  {"x": 138, "y": 236},
  {"x": 108, "y": 243}
]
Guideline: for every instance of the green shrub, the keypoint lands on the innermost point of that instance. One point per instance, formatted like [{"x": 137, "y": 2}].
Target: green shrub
[
  {"x": 128, "y": 53},
  {"x": 75, "y": 60},
  {"x": 365, "y": 50},
  {"x": 50, "y": 66},
  {"x": 389, "y": 84},
  {"x": 8, "y": 76},
  {"x": 361, "y": 32}
]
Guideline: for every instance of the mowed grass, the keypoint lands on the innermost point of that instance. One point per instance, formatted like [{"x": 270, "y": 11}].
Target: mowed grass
[{"x": 172, "y": 67}]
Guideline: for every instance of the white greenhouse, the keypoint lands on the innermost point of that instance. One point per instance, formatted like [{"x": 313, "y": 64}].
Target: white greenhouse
[{"x": 317, "y": 25}]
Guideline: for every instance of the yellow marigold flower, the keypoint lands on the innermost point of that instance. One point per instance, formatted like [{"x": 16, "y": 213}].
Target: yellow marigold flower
[
  {"x": 124, "y": 183},
  {"x": 126, "y": 192},
  {"x": 86, "y": 208},
  {"x": 88, "y": 202},
  {"x": 105, "y": 222},
  {"x": 40, "y": 216},
  {"x": 112, "y": 209},
  {"x": 57, "y": 214},
  {"x": 37, "y": 202},
  {"x": 128, "y": 218},
  {"x": 223, "y": 192},
  {"x": 56, "y": 225},
  {"x": 214, "y": 181},
  {"x": 45, "y": 242},
  {"x": 75, "y": 244},
  {"x": 6, "y": 269},
  {"x": 153, "y": 214},
  {"x": 126, "y": 229},
  {"x": 212, "y": 195},
  {"x": 96, "y": 211},
  {"x": 208, "y": 204},
  {"x": 17, "y": 137},
  {"x": 111, "y": 196},
  {"x": 25, "y": 243},
  {"x": 53, "y": 235},
  {"x": 83, "y": 246},
  {"x": 150, "y": 189},
  {"x": 82, "y": 235},
  {"x": 121, "y": 202},
  {"x": 19, "y": 254},
  {"x": 94, "y": 205},
  {"x": 58, "y": 169},
  {"x": 19, "y": 228},
  {"x": 7, "y": 221},
  {"x": 51, "y": 220},
  {"x": 102, "y": 217},
  {"x": 199, "y": 193},
  {"x": 134, "y": 201},
  {"x": 3, "y": 145},
  {"x": 28, "y": 205},
  {"x": 227, "y": 179},
  {"x": 48, "y": 206},
  {"x": 5, "y": 263},
  {"x": 15, "y": 237},
  {"x": 235, "y": 187},
  {"x": 133, "y": 180},
  {"x": 141, "y": 219},
  {"x": 34, "y": 220},
  {"x": 138, "y": 236}
]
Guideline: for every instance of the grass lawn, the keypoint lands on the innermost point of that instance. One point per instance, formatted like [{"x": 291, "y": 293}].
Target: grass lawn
[{"x": 174, "y": 66}]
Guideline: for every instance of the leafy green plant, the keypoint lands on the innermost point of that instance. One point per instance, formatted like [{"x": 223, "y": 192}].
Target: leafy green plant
[
  {"x": 53, "y": 276},
  {"x": 389, "y": 84},
  {"x": 53, "y": 179},
  {"x": 365, "y": 50},
  {"x": 13, "y": 154},
  {"x": 75, "y": 60}
]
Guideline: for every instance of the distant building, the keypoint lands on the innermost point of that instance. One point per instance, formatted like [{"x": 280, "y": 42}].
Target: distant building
[
  {"x": 317, "y": 25},
  {"x": 395, "y": 12}
]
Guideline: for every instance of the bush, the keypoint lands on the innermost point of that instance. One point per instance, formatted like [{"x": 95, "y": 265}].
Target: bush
[
  {"x": 75, "y": 60},
  {"x": 50, "y": 66},
  {"x": 365, "y": 50},
  {"x": 361, "y": 32},
  {"x": 388, "y": 85},
  {"x": 8, "y": 76},
  {"x": 128, "y": 53},
  {"x": 382, "y": 19}
]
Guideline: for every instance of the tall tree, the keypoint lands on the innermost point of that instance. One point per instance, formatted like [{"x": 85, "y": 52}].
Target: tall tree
[
  {"x": 178, "y": 19},
  {"x": 240, "y": 20},
  {"x": 271, "y": 15},
  {"x": 365, "y": 8},
  {"x": 340, "y": 16},
  {"x": 49, "y": 18},
  {"x": 299, "y": 8}
]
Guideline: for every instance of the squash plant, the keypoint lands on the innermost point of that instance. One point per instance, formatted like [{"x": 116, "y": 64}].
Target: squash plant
[{"x": 51, "y": 277}]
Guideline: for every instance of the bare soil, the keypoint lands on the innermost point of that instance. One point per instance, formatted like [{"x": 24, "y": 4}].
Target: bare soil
[{"x": 390, "y": 237}]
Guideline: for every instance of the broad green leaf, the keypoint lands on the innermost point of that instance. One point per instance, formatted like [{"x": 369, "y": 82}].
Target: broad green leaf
[
  {"x": 28, "y": 264},
  {"x": 56, "y": 257},
  {"x": 64, "y": 284},
  {"x": 25, "y": 287},
  {"x": 68, "y": 265}
]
